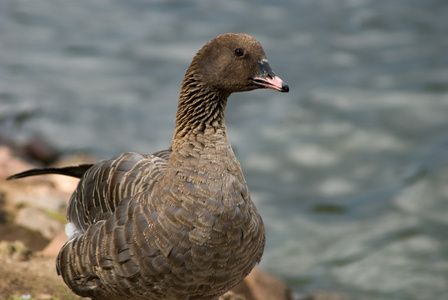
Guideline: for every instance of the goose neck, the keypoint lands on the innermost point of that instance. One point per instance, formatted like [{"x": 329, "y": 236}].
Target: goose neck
[{"x": 200, "y": 114}]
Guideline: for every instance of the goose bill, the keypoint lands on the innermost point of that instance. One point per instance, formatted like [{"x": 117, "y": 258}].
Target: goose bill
[
  {"x": 266, "y": 78},
  {"x": 274, "y": 83}
]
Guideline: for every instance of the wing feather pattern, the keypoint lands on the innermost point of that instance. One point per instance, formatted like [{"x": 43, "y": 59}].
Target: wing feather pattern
[{"x": 106, "y": 184}]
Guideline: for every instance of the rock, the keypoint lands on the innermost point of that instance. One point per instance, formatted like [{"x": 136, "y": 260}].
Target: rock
[
  {"x": 36, "y": 191},
  {"x": 53, "y": 248},
  {"x": 44, "y": 297},
  {"x": 64, "y": 184},
  {"x": 15, "y": 250},
  {"x": 232, "y": 296},
  {"x": 9, "y": 164},
  {"x": 31, "y": 239},
  {"x": 37, "y": 220},
  {"x": 35, "y": 196},
  {"x": 49, "y": 192},
  {"x": 40, "y": 149},
  {"x": 259, "y": 285},
  {"x": 68, "y": 184}
]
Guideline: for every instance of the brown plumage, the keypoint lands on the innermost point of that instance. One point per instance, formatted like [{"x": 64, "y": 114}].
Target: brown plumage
[{"x": 178, "y": 224}]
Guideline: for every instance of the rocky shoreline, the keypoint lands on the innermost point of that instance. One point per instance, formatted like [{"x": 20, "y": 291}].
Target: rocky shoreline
[{"x": 32, "y": 218}]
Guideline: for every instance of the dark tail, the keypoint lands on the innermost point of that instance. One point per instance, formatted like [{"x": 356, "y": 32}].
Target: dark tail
[{"x": 76, "y": 171}]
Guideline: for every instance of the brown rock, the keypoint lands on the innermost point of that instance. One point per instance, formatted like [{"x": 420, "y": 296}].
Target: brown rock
[
  {"x": 68, "y": 184},
  {"x": 53, "y": 248},
  {"x": 37, "y": 220},
  {"x": 259, "y": 285},
  {"x": 9, "y": 164}
]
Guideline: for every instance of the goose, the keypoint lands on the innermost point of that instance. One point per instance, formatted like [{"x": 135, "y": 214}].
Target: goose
[{"x": 179, "y": 223}]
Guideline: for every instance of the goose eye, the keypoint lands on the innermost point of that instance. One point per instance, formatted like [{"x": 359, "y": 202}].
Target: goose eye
[{"x": 239, "y": 52}]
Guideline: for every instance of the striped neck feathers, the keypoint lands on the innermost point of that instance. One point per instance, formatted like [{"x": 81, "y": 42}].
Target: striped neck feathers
[{"x": 200, "y": 111}]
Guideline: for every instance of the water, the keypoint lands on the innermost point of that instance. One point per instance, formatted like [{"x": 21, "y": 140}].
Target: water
[{"x": 349, "y": 170}]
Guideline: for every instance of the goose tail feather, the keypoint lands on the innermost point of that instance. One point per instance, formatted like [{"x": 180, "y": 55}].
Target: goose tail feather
[{"x": 73, "y": 171}]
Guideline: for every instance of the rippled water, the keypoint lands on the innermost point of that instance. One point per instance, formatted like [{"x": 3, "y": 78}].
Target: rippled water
[{"x": 349, "y": 170}]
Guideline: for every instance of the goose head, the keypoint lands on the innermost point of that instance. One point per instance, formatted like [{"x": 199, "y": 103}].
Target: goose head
[{"x": 234, "y": 63}]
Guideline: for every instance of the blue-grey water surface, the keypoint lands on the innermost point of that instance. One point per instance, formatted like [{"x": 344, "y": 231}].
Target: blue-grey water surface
[{"x": 349, "y": 170}]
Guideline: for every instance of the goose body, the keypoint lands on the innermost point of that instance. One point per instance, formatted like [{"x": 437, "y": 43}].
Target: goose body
[{"x": 178, "y": 224}]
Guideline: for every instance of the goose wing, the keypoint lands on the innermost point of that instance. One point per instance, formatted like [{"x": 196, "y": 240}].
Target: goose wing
[{"x": 103, "y": 186}]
